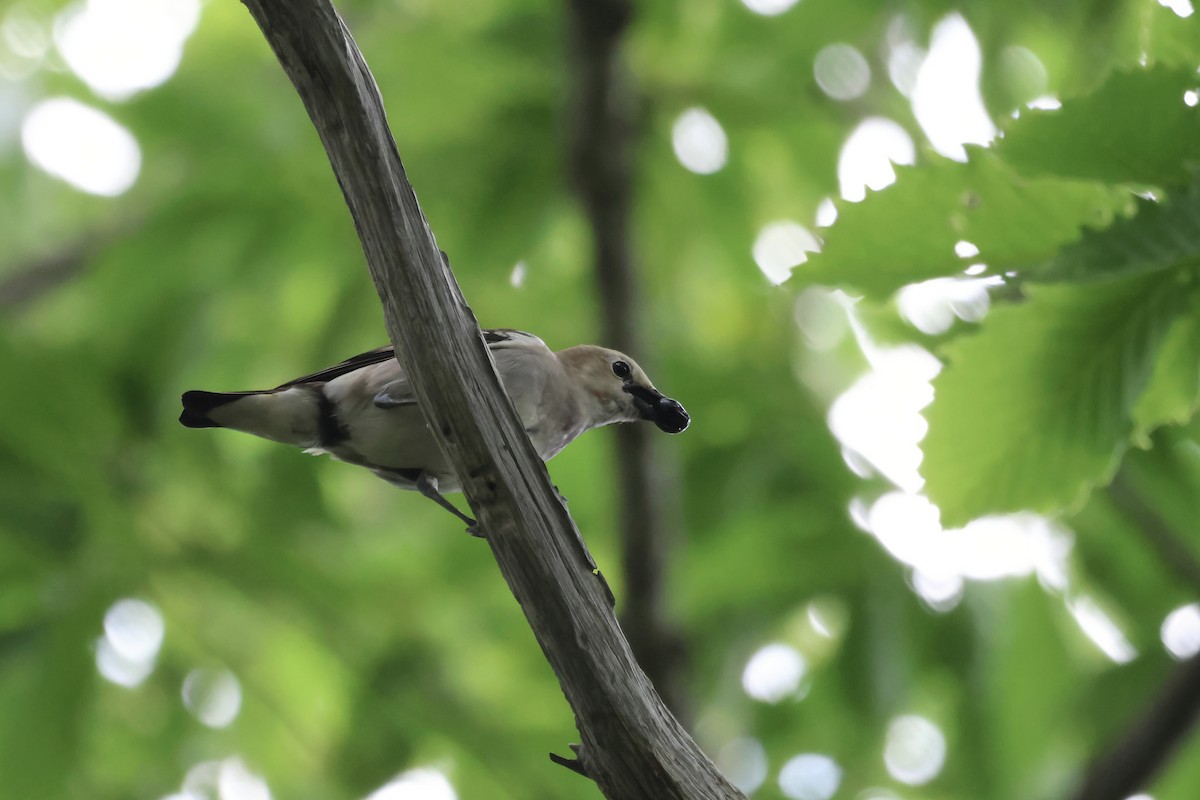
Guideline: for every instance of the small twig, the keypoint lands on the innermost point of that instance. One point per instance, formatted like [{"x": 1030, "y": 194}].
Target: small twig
[{"x": 573, "y": 764}]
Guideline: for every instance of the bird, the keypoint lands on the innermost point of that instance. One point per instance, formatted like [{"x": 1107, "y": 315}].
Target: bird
[{"x": 363, "y": 410}]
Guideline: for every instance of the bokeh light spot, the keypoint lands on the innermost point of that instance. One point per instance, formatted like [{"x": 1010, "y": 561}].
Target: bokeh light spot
[
  {"x": 120, "y": 669},
  {"x": 201, "y": 780},
  {"x": 842, "y": 72},
  {"x": 700, "y": 142},
  {"x": 876, "y": 793},
  {"x": 1101, "y": 629},
  {"x": 82, "y": 146},
  {"x": 868, "y": 154},
  {"x": 1181, "y": 631},
  {"x": 826, "y": 616},
  {"x": 119, "y": 47},
  {"x": 133, "y": 635},
  {"x": 820, "y": 318},
  {"x": 769, "y": 8},
  {"x": 986, "y": 549},
  {"x": 904, "y": 55},
  {"x": 422, "y": 783},
  {"x": 827, "y": 213},
  {"x": 946, "y": 99},
  {"x": 932, "y": 306},
  {"x": 915, "y": 750},
  {"x": 135, "y": 628},
  {"x": 879, "y": 416},
  {"x": 773, "y": 673},
  {"x": 941, "y": 593},
  {"x": 214, "y": 696},
  {"x": 517, "y": 276},
  {"x": 1182, "y": 8},
  {"x": 810, "y": 776},
  {"x": 744, "y": 762},
  {"x": 236, "y": 782},
  {"x": 782, "y": 245},
  {"x": 228, "y": 779},
  {"x": 1044, "y": 103}
]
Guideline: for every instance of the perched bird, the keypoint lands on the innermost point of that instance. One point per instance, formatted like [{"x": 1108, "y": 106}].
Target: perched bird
[{"x": 363, "y": 410}]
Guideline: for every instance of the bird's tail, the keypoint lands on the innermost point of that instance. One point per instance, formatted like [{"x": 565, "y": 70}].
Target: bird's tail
[
  {"x": 197, "y": 404},
  {"x": 291, "y": 416}
]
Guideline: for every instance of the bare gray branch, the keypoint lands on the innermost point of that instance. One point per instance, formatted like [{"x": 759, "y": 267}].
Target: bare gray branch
[{"x": 631, "y": 744}]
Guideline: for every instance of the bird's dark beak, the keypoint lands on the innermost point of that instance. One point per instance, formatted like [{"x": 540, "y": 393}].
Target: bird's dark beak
[{"x": 664, "y": 412}]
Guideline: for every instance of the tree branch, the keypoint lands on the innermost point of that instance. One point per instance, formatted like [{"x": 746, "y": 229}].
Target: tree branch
[
  {"x": 1148, "y": 743},
  {"x": 1173, "y": 552},
  {"x": 631, "y": 745},
  {"x": 602, "y": 170}
]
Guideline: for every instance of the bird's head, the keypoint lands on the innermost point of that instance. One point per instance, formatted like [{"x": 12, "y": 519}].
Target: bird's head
[{"x": 613, "y": 384}]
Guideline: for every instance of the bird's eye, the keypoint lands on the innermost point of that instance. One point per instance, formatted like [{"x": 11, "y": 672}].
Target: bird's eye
[{"x": 622, "y": 370}]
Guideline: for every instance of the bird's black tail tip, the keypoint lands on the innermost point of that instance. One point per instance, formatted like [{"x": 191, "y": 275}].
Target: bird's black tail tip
[{"x": 197, "y": 404}]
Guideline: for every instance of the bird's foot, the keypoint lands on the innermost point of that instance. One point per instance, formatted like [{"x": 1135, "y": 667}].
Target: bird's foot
[{"x": 428, "y": 487}]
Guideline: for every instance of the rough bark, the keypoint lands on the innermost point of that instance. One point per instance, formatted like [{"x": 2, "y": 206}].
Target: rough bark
[
  {"x": 631, "y": 744},
  {"x": 602, "y": 145}
]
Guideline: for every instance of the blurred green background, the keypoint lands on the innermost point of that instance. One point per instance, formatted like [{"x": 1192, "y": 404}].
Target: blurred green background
[{"x": 200, "y": 614}]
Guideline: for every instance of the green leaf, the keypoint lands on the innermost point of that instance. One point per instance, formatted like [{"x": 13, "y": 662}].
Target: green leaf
[
  {"x": 1173, "y": 393},
  {"x": 1167, "y": 38},
  {"x": 1034, "y": 410},
  {"x": 1135, "y": 128},
  {"x": 906, "y": 233},
  {"x": 1159, "y": 236}
]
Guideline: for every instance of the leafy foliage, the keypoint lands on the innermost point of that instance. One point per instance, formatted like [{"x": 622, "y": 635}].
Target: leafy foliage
[
  {"x": 1032, "y": 411},
  {"x": 1044, "y": 206},
  {"x": 1152, "y": 141},
  {"x": 1160, "y": 236},
  {"x": 1174, "y": 388},
  {"x": 1013, "y": 221},
  {"x": 367, "y": 636}
]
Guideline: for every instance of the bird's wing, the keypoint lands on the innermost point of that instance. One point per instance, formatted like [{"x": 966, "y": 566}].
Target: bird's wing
[
  {"x": 509, "y": 337},
  {"x": 395, "y": 393},
  {"x": 376, "y": 356},
  {"x": 495, "y": 337}
]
